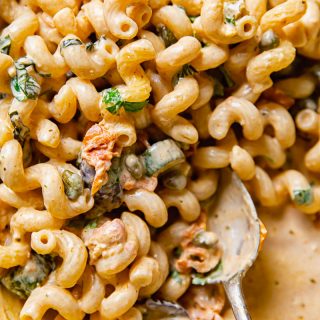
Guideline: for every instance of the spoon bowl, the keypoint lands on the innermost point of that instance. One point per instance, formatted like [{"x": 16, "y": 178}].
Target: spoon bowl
[{"x": 233, "y": 217}]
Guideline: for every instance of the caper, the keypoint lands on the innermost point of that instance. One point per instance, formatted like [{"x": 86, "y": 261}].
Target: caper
[
  {"x": 269, "y": 40},
  {"x": 174, "y": 180},
  {"x": 73, "y": 184},
  {"x": 134, "y": 166},
  {"x": 205, "y": 239}
]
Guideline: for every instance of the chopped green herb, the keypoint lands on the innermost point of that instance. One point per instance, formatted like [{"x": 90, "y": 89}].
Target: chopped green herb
[
  {"x": 44, "y": 75},
  {"x": 90, "y": 46},
  {"x": 134, "y": 106},
  {"x": 269, "y": 40},
  {"x": 73, "y": 184},
  {"x": 23, "y": 63},
  {"x": 176, "y": 276},
  {"x": 230, "y": 20},
  {"x": 2, "y": 96},
  {"x": 112, "y": 98},
  {"x": 222, "y": 80},
  {"x": 303, "y": 196},
  {"x": 20, "y": 131},
  {"x": 167, "y": 35},
  {"x": 120, "y": 43},
  {"x": 71, "y": 42},
  {"x": 5, "y": 44},
  {"x": 77, "y": 223},
  {"x": 24, "y": 86},
  {"x": 229, "y": 82},
  {"x": 91, "y": 224},
  {"x": 23, "y": 280},
  {"x": 208, "y": 278},
  {"x": 161, "y": 156},
  {"x": 218, "y": 89},
  {"x": 192, "y": 18},
  {"x": 187, "y": 70}
]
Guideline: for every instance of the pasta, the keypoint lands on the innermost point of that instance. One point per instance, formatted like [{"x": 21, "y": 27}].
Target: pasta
[{"x": 116, "y": 117}]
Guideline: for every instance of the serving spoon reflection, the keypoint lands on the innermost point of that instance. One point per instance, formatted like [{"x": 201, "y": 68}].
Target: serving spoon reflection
[{"x": 233, "y": 217}]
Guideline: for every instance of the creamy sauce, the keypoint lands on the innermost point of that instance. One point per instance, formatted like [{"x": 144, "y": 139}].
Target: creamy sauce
[{"x": 284, "y": 283}]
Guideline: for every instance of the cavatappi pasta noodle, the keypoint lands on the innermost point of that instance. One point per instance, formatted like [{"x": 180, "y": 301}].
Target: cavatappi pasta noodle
[{"x": 115, "y": 118}]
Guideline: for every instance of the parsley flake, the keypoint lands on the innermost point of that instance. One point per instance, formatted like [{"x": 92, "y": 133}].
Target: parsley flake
[
  {"x": 114, "y": 102},
  {"x": 230, "y": 20},
  {"x": 5, "y": 44},
  {"x": 187, "y": 70},
  {"x": 166, "y": 35},
  {"x": 24, "y": 86},
  {"x": 70, "y": 42}
]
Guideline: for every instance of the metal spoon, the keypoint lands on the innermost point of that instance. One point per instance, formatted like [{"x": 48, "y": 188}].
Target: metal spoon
[{"x": 233, "y": 217}]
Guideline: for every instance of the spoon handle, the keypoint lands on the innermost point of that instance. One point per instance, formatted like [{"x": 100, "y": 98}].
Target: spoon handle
[{"x": 233, "y": 289}]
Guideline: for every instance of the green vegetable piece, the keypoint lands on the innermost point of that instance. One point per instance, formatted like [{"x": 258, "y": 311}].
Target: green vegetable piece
[
  {"x": 73, "y": 184},
  {"x": 209, "y": 278},
  {"x": 70, "y": 42},
  {"x": 23, "y": 280},
  {"x": 269, "y": 40},
  {"x": 110, "y": 196},
  {"x": 114, "y": 102},
  {"x": 303, "y": 196},
  {"x": 5, "y": 44},
  {"x": 230, "y": 20},
  {"x": 187, "y": 70},
  {"x": 166, "y": 35},
  {"x": 161, "y": 156}
]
